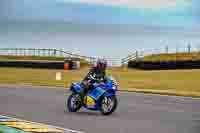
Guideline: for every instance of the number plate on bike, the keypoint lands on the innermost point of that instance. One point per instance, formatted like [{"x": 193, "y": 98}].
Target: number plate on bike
[{"x": 90, "y": 101}]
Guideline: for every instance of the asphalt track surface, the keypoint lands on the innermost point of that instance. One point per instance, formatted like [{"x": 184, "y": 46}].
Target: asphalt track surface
[{"x": 136, "y": 113}]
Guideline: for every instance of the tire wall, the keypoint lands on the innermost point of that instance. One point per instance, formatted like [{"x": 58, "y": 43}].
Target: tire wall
[{"x": 39, "y": 64}]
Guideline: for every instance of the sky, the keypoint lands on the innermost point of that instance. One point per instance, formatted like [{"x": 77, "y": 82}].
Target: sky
[
  {"x": 86, "y": 27},
  {"x": 145, "y": 12}
]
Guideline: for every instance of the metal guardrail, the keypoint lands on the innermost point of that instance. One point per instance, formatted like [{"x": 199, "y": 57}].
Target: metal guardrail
[
  {"x": 128, "y": 58},
  {"x": 139, "y": 55},
  {"x": 43, "y": 52},
  {"x": 135, "y": 56}
]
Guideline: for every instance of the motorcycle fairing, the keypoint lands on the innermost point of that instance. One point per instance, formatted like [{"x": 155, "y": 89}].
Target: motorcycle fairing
[
  {"x": 96, "y": 93},
  {"x": 75, "y": 88}
]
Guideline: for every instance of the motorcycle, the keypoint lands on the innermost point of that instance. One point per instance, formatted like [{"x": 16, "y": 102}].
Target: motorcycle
[{"x": 101, "y": 97}]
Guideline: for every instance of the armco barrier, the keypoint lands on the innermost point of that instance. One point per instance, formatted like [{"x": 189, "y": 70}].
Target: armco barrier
[
  {"x": 36, "y": 64},
  {"x": 164, "y": 65}
]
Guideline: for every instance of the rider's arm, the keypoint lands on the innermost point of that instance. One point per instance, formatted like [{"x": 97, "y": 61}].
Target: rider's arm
[{"x": 91, "y": 72}]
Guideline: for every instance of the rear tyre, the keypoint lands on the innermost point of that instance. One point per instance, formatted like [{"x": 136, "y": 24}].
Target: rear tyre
[
  {"x": 74, "y": 103},
  {"x": 108, "y": 105}
]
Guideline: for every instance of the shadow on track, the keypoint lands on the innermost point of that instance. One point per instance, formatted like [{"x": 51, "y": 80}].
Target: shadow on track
[{"x": 88, "y": 113}]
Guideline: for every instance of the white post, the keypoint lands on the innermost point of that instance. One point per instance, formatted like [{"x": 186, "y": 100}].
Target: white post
[{"x": 58, "y": 76}]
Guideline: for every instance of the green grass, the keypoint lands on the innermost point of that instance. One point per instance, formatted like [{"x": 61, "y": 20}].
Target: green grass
[
  {"x": 178, "y": 82},
  {"x": 173, "y": 57},
  {"x": 175, "y": 82},
  {"x": 38, "y": 76}
]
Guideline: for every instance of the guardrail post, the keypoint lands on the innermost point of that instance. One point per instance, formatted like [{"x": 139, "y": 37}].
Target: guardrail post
[
  {"x": 167, "y": 49},
  {"x": 34, "y": 52},
  {"x": 122, "y": 61},
  {"x": 136, "y": 55},
  {"x": 189, "y": 48},
  {"x": 43, "y": 52},
  {"x": 54, "y": 52}
]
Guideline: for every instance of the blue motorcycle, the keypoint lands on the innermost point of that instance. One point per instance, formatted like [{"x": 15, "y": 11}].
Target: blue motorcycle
[{"x": 101, "y": 97}]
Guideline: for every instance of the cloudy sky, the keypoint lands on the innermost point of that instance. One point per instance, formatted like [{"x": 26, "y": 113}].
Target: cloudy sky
[
  {"x": 154, "y": 4},
  {"x": 147, "y": 12},
  {"x": 44, "y": 23}
]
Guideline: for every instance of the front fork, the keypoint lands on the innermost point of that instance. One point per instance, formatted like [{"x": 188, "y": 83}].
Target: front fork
[{"x": 82, "y": 95}]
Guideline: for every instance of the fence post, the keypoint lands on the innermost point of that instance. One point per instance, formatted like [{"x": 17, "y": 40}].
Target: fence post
[
  {"x": 167, "y": 49},
  {"x": 43, "y": 50},
  {"x": 122, "y": 61},
  {"x": 136, "y": 54},
  {"x": 189, "y": 48},
  {"x": 34, "y": 52},
  {"x": 54, "y": 52},
  {"x": 38, "y": 52}
]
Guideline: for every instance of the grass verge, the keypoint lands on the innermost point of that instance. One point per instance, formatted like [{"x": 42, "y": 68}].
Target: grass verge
[{"x": 168, "y": 82}]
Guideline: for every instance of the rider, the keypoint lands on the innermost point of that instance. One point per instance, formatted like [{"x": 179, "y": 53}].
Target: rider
[{"x": 97, "y": 74}]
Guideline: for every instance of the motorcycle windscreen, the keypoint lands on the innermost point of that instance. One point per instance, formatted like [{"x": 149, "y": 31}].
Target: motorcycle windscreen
[{"x": 96, "y": 93}]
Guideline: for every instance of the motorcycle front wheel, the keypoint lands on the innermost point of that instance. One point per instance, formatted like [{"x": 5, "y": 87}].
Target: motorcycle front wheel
[
  {"x": 74, "y": 103},
  {"x": 108, "y": 105}
]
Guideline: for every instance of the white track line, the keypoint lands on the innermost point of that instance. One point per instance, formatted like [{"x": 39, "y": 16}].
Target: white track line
[{"x": 65, "y": 129}]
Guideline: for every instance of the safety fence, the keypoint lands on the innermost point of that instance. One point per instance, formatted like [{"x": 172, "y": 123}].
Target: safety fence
[
  {"x": 139, "y": 55},
  {"x": 44, "y": 53}
]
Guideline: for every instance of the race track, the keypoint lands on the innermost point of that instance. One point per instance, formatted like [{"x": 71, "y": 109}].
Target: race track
[{"x": 136, "y": 113}]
